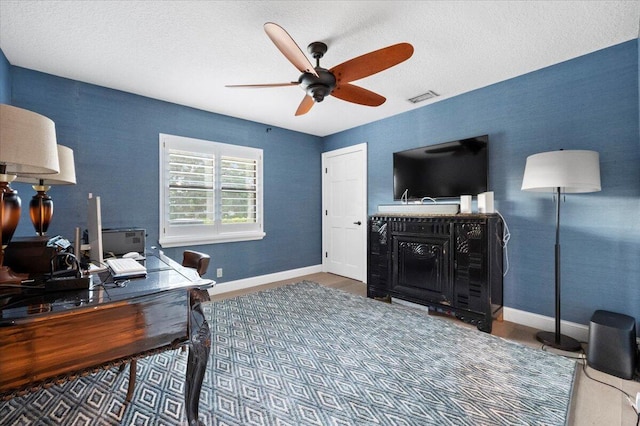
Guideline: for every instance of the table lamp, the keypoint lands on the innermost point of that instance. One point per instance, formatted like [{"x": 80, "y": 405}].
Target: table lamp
[
  {"x": 561, "y": 172},
  {"x": 27, "y": 147},
  {"x": 41, "y": 205}
]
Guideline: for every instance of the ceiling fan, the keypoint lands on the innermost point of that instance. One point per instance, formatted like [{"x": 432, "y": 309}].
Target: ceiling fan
[{"x": 319, "y": 82}]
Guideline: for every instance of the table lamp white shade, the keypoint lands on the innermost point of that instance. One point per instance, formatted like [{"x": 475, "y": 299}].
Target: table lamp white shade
[
  {"x": 573, "y": 171},
  {"x": 66, "y": 175},
  {"x": 27, "y": 142}
]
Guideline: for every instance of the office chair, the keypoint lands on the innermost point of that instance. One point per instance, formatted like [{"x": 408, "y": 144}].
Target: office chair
[
  {"x": 190, "y": 259},
  {"x": 196, "y": 260}
]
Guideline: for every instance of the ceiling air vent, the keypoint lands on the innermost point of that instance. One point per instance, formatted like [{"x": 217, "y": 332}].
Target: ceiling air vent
[{"x": 428, "y": 95}]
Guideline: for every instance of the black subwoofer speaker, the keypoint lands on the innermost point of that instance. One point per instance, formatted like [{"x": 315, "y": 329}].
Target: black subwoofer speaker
[{"x": 612, "y": 344}]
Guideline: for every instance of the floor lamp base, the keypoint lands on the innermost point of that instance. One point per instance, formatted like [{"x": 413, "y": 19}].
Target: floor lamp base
[{"x": 565, "y": 343}]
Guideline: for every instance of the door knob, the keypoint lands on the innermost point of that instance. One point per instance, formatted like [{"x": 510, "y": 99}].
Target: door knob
[{"x": 357, "y": 223}]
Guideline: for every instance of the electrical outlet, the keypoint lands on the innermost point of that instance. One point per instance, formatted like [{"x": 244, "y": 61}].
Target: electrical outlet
[{"x": 218, "y": 272}]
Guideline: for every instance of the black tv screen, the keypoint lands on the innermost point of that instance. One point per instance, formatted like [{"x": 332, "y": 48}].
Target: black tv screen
[{"x": 444, "y": 170}]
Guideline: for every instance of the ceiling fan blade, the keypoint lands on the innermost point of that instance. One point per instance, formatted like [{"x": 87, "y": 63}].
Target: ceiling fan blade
[
  {"x": 357, "y": 95},
  {"x": 372, "y": 62},
  {"x": 258, "y": 86},
  {"x": 289, "y": 48},
  {"x": 305, "y": 105}
]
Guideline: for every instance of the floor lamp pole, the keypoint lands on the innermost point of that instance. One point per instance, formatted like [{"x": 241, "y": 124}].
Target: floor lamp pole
[
  {"x": 558, "y": 274},
  {"x": 557, "y": 340}
]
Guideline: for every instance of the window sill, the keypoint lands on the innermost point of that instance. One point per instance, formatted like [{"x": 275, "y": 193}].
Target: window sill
[{"x": 190, "y": 240}]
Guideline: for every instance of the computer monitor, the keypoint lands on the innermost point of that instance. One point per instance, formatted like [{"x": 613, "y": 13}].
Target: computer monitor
[{"x": 94, "y": 230}]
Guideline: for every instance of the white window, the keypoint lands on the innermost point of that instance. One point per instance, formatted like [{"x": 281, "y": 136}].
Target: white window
[{"x": 210, "y": 192}]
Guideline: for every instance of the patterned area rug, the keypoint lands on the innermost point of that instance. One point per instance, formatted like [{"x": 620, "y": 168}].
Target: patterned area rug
[{"x": 305, "y": 354}]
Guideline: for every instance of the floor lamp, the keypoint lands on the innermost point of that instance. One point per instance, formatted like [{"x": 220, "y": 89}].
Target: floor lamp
[
  {"x": 561, "y": 172},
  {"x": 27, "y": 147}
]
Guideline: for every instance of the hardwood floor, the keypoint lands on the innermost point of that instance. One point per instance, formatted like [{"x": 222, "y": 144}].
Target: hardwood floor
[{"x": 593, "y": 403}]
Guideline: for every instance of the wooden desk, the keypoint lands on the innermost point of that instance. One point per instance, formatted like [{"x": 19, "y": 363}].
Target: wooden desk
[{"x": 46, "y": 338}]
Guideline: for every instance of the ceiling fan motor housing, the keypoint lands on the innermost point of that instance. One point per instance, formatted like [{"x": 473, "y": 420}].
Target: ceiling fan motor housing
[{"x": 318, "y": 87}]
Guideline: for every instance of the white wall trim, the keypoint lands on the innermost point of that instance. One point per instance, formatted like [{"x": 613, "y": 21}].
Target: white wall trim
[
  {"x": 579, "y": 332},
  {"x": 264, "y": 279}
]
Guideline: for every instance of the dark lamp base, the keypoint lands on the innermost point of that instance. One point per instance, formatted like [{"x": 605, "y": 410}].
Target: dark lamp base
[{"x": 565, "y": 343}]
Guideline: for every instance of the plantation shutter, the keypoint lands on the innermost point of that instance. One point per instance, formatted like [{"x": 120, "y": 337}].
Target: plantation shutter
[
  {"x": 239, "y": 190},
  {"x": 191, "y": 188},
  {"x": 210, "y": 192}
]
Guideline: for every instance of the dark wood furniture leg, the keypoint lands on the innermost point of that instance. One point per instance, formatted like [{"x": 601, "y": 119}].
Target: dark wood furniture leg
[
  {"x": 132, "y": 380},
  {"x": 199, "y": 348}
]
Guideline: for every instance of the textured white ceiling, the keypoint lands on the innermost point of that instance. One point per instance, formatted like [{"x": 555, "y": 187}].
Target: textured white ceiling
[{"x": 187, "y": 51}]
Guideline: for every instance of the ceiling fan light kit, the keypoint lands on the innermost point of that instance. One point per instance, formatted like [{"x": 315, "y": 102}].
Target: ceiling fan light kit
[{"x": 318, "y": 82}]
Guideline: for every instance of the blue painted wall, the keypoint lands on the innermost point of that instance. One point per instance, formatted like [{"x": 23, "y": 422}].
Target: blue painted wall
[
  {"x": 5, "y": 80},
  {"x": 114, "y": 136},
  {"x": 590, "y": 102}
]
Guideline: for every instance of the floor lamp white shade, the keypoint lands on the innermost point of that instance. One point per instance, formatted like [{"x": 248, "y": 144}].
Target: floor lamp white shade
[{"x": 571, "y": 171}]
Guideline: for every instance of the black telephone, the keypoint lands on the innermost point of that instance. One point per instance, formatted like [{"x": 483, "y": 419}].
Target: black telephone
[
  {"x": 63, "y": 260},
  {"x": 68, "y": 277},
  {"x": 65, "y": 271},
  {"x": 50, "y": 263}
]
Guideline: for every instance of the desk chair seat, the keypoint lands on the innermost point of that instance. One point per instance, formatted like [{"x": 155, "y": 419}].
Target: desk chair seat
[{"x": 190, "y": 259}]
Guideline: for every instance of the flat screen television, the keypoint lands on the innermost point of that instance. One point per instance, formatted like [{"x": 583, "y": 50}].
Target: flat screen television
[{"x": 444, "y": 170}]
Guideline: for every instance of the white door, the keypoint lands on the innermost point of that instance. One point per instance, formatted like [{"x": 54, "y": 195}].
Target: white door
[{"x": 344, "y": 205}]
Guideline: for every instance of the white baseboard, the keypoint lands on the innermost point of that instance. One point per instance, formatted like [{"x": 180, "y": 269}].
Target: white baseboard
[
  {"x": 264, "y": 279},
  {"x": 580, "y": 332}
]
